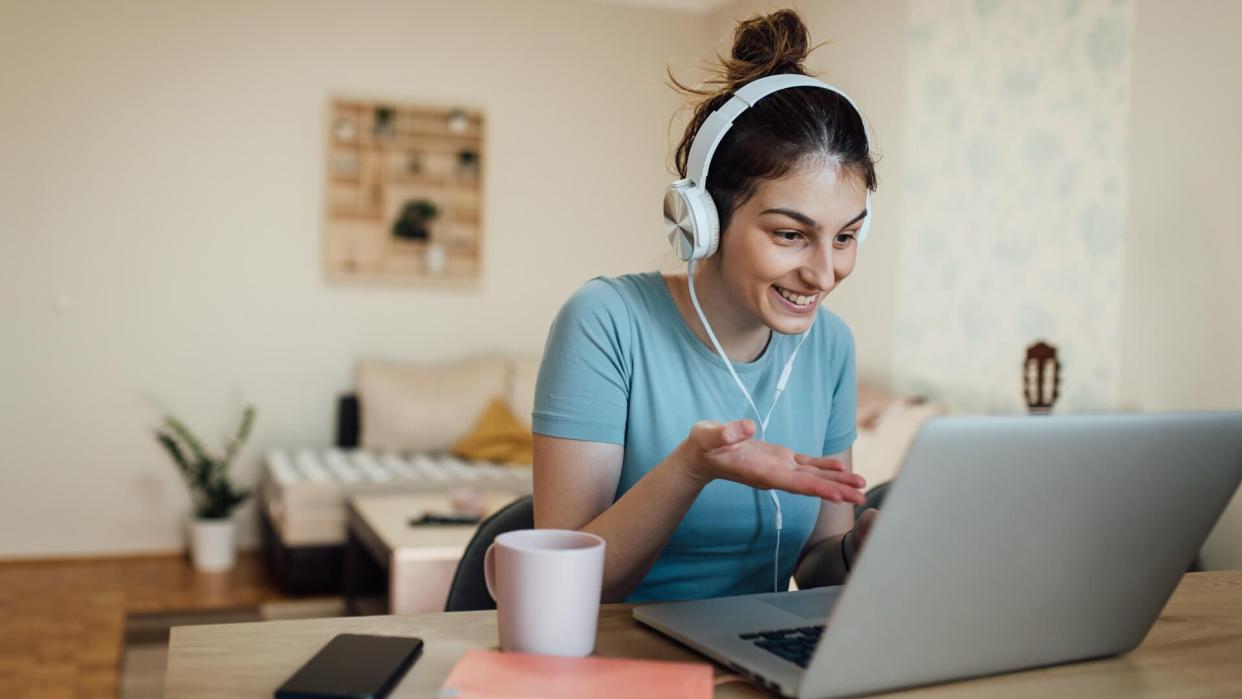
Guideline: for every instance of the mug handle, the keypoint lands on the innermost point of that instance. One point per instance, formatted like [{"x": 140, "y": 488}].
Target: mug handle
[{"x": 489, "y": 570}]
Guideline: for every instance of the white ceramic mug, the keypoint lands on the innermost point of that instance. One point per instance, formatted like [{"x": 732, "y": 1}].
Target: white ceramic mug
[{"x": 547, "y": 585}]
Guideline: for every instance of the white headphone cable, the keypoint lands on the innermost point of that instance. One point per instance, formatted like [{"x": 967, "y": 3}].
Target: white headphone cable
[{"x": 763, "y": 421}]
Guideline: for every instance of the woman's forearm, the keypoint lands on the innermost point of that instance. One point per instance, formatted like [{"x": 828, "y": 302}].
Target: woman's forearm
[
  {"x": 638, "y": 525},
  {"x": 826, "y": 562}
]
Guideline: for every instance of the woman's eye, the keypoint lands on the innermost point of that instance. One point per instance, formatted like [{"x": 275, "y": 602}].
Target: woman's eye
[
  {"x": 788, "y": 236},
  {"x": 845, "y": 238}
]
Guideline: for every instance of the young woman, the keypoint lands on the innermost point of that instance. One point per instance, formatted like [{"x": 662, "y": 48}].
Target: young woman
[{"x": 642, "y": 435}]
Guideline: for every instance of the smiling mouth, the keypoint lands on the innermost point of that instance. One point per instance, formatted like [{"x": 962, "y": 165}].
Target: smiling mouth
[{"x": 797, "y": 299}]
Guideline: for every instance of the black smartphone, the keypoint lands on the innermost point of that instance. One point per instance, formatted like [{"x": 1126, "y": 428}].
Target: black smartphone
[
  {"x": 353, "y": 666},
  {"x": 433, "y": 519}
]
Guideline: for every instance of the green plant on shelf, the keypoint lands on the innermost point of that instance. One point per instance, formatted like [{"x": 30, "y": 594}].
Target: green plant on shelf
[
  {"x": 415, "y": 220},
  {"x": 206, "y": 474}
]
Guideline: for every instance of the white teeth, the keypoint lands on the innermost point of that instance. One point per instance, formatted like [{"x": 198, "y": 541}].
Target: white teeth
[{"x": 796, "y": 298}]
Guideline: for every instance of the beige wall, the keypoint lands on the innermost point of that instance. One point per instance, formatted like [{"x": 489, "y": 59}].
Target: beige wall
[
  {"x": 161, "y": 206},
  {"x": 1182, "y": 314}
]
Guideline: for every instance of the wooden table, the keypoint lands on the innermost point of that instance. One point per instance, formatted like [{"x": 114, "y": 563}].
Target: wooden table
[
  {"x": 1194, "y": 650},
  {"x": 418, "y": 561}
]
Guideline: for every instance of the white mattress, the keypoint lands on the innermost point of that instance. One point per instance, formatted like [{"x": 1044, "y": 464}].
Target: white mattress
[{"x": 304, "y": 490}]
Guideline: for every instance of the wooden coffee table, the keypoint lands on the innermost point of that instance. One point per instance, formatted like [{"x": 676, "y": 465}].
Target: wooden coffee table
[{"x": 395, "y": 567}]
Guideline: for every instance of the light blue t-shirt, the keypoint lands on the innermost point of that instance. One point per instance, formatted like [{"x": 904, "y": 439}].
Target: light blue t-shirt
[{"x": 621, "y": 366}]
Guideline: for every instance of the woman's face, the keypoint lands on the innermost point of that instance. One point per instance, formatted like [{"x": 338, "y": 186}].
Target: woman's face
[{"x": 791, "y": 243}]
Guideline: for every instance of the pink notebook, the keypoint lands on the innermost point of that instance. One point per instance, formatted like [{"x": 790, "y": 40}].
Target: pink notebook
[{"x": 488, "y": 674}]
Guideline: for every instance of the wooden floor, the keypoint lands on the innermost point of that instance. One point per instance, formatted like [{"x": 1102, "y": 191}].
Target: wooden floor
[{"x": 62, "y": 623}]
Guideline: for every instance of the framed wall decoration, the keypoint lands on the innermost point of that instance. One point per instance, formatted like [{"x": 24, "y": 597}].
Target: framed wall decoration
[{"x": 404, "y": 192}]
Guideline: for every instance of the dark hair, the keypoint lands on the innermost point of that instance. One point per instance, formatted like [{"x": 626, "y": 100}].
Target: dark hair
[{"x": 783, "y": 131}]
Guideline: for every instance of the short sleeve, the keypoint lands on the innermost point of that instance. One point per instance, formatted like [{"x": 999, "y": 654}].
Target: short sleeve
[
  {"x": 842, "y": 420},
  {"x": 582, "y": 391}
]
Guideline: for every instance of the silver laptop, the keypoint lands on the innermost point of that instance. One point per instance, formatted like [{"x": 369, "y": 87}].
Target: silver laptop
[{"x": 1005, "y": 543}]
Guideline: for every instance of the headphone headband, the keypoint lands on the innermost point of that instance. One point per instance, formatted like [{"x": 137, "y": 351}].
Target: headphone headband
[{"x": 718, "y": 123}]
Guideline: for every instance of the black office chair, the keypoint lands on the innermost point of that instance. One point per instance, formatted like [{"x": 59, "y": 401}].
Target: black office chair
[{"x": 468, "y": 592}]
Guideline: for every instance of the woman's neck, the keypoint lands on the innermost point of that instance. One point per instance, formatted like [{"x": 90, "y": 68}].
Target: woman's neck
[{"x": 741, "y": 335}]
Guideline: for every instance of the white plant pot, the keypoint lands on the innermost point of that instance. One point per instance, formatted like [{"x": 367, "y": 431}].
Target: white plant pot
[
  {"x": 212, "y": 544},
  {"x": 436, "y": 258}
]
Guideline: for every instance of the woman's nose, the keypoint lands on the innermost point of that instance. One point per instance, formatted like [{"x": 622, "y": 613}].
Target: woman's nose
[{"x": 819, "y": 272}]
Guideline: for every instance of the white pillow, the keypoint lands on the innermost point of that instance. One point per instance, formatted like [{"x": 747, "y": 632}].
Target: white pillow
[{"x": 407, "y": 406}]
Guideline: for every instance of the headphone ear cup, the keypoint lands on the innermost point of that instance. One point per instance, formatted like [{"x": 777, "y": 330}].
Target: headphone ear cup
[
  {"x": 679, "y": 219},
  {"x": 710, "y": 237},
  {"x": 690, "y": 221}
]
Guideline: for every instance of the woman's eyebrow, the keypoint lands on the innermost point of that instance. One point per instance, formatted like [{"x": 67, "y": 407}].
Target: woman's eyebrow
[
  {"x": 807, "y": 220},
  {"x": 795, "y": 215},
  {"x": 861, "y": 215}
]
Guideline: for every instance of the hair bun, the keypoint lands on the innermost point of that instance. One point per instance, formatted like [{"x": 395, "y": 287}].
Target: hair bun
[{"x": 767, "y": 45}]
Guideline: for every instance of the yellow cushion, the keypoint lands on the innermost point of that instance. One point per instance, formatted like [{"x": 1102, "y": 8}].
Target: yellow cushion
[{"x": 497, "y": 436}]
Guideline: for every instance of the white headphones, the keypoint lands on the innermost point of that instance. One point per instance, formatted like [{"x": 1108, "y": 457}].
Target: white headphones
[
  {"x": 690, "y": 217},
  {"x": 693, "y": 227}
]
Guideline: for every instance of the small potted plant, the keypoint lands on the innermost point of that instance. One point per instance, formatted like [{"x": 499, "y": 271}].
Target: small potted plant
[
  {"x": 213, "y": 532},
  {"x": 414, "y": 223}
]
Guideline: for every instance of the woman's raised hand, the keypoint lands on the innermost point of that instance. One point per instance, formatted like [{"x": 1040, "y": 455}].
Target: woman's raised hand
[{"x": 726, "y": 450}]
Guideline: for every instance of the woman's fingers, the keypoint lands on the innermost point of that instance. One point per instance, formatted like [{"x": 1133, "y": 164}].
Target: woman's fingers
[
  {"x": 806, "y": 484},
  {"x": 739, "y": 430},
  {"x": 802, "y": 483},
  {"x": 712, "y": 435},
  {"x": 809, "y": 484},
  {"x": 851, "y": 495},
  {"x": 852, "y": 480},
  {"x": 820, "y": 462},
  {"x": 847, "y": 494},
  {"x": 829, "y": 485}
]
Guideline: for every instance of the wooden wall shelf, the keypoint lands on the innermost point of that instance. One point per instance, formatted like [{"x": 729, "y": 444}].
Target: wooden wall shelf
[{"x": 404, "y": 192}]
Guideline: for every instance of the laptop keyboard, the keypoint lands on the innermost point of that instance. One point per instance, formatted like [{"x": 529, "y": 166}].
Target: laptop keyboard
[{"x": 795, "y": 645}]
